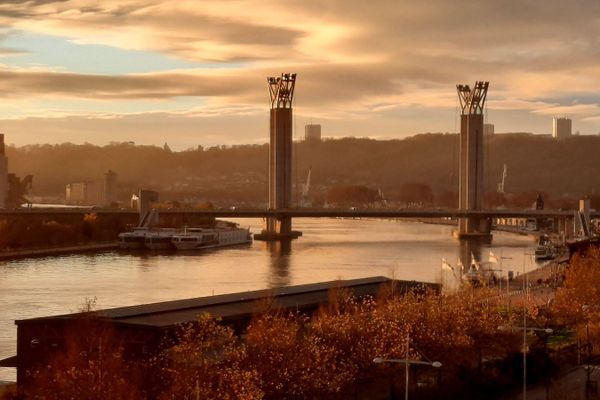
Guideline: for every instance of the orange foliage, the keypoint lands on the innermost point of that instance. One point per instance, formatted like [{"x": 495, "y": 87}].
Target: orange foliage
[
  {"x": 204, "y": 361},
  {"x": 578, "y": 302},
  {"x": 293, "y": 356},
  {"x": 91, "y": 366},
  {"x": 581, "y": 286}
]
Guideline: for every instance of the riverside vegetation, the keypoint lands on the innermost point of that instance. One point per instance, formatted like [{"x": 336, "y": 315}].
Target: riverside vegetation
[
  {"x": 329, "y": 354},
  {"x": 23, "y": 232}
]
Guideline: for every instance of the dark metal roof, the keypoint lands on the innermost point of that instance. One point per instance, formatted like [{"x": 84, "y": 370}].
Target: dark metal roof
[
  {"x": 230, "y": 307},
  {"x": 9, "y": 362}
]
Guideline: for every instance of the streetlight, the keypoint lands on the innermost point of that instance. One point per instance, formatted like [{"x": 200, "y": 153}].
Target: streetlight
[
  {"x": 525, "y": 329},
  {"x": 588, "y": 384},
  {"x": 379, "y": 360}
]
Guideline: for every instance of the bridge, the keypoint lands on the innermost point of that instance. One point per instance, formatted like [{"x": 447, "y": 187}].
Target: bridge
[
  {"x": 564, "y": 220},
  {"x": 473, "y": 221}
]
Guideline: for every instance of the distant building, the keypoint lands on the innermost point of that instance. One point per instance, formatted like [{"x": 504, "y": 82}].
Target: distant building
[
  {"x": 75, "y": 192},
  {"x": 110, "y": 187},
  {"x": 488, "y": 129},
  {"x": 561, "y": 128},
  {"x": 312, "y": 133},
  {"x": 87, "y": 193},
  {"x": 3, "y": 174},
  {"x": 101, "y": 192}
]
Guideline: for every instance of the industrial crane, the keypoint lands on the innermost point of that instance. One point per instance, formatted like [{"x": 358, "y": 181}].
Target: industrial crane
[
  {"x": 305, "y": 189},
  {"x": 306, "y": 186},
  {"x": 501, "y": 184}
]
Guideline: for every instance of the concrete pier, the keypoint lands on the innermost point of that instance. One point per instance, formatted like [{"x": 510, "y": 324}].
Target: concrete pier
[
  {"x": 281, "y": 92},
  {"x": 471, "y": 183}
]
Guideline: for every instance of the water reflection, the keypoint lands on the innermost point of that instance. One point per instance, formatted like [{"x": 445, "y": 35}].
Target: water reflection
[
  {"x": 330, "y": 249},
  {"x": 279, "y": 271}
]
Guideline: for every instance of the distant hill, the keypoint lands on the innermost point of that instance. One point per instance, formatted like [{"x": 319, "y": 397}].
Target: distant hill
[{"x": 239, "y": 173}]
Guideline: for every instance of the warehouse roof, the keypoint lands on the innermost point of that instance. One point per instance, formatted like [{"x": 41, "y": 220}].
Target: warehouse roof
[{"x": 234, "y": 306}]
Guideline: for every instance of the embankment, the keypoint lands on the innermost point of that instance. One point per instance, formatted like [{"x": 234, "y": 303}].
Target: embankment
[{"x": 51, "y": 251}]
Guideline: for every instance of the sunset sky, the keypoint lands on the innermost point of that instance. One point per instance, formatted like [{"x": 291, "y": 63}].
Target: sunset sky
[{"x": 192, "y": 72}]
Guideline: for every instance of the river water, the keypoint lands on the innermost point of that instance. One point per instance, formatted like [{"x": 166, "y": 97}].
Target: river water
[{"x": 330, "y": 249}]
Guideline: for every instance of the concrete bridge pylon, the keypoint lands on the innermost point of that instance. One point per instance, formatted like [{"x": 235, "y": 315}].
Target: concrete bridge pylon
[
  {"x": 471, "y": 184},
  {"x": 281, "y": 93}
]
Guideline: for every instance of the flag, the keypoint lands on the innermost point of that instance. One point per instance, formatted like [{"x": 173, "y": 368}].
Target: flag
[
  {"x": 447, "y": 266},
  {"x": 462, "y": 267},
  {"x": 493, "y": 258},
  {"x": 474, "y": 264}
]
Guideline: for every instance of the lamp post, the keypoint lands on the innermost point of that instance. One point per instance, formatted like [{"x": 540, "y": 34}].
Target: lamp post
[
  {"x": 585, "y": 308},
  {"x": 524, "y": 329},
  {"x": 379, "y": 360}
]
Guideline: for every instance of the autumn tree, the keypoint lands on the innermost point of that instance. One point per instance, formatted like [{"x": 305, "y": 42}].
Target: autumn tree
[
  {"x": 204, "y": 360},
  {"x": 577, "y": 303},
  {"x": 352, "y": 195},
  {"x": 412, "y": 193},
  {"x": 91, "y": 365}
]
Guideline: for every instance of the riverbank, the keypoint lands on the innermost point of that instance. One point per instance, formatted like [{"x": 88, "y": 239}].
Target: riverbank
[
  {"x": 51, "y": 251},
  {"x": 453, "y": 222},
  {"x": 517, "y": 230}
]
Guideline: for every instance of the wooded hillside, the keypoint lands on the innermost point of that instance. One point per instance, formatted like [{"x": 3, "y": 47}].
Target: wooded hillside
[{"x": 239, "y": 174}]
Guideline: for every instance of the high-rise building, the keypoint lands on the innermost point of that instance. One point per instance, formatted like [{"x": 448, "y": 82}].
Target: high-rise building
[
  {"x": 488, "y": 129},
  {"x": 561, "y": 128},
  {"x": 110, "y": 187},
  {"x": 3, "y": 173},
  {"x": 89, "y": 193},
  {"x": 312, "y": 133}
]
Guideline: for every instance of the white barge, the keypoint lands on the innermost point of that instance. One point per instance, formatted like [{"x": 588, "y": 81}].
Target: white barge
[
  {"x": 134, "y": 240},
  {"x": 184, "y": 239},
  {"x": 208, "y": 238}
]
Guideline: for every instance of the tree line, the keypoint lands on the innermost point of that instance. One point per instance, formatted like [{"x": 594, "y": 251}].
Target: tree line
[{"x": 238, "y": 174}]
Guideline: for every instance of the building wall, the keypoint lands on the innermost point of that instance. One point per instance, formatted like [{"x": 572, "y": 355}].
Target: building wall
[
  {"x": 3, "y": 174},
  {"x": 488, "y": 129},
  {"x": 85, "y": 193},
  {"x": 110, "y": 188},
  {"x": 75, "y": 192},
  {"x": 561, "y": 128},
  {"x": 3, "y": 180},
  {"x": 312, "y": 133}
]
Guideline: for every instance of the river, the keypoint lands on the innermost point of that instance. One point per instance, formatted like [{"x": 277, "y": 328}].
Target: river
[{"x": 330, "y": 249}]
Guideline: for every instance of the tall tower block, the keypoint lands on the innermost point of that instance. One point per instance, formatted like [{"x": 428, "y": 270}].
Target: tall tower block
[
  {"x": 110, "y": 188},
  {"x": 281, "y": 93},
  {"x": 471, "y": 189},
  {"x": 3, "y": 174}
]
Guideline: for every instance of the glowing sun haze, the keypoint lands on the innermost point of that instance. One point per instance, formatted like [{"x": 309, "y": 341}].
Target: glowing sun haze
[{"x": 193, "y": 72}]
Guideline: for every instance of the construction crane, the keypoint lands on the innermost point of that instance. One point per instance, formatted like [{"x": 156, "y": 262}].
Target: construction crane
[
  {"x": 501, "y": 184},
  {"x": 381, "y": 197},
  {"x": 305, "y": 189},
  {"x": 306, "y": 186}
]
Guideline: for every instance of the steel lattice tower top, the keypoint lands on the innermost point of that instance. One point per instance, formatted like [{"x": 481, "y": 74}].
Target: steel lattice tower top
[
  {"x": 281, "y": 90},
  {"x": 472, "y": 101}
]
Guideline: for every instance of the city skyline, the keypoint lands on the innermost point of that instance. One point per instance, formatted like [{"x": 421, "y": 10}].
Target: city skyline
[{"x": 191, "y": 75}]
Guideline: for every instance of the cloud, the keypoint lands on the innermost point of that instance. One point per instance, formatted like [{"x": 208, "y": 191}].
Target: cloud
[
  {"x": 155, "y": 86},
  {"x": 571, "y": 110},
  {"x": 354, "y": 59}
]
